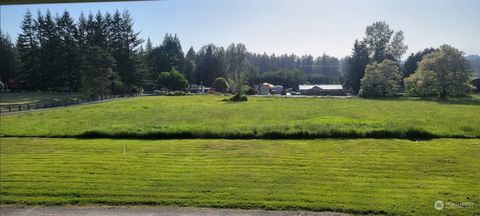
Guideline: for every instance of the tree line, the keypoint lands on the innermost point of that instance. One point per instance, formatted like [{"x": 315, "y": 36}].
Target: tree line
[
  {"x": 102, "y": 54},
  {"x": 374, "y": 69}
]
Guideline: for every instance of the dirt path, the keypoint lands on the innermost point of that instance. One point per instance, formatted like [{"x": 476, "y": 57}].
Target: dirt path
[{"x": 143, "y": 211}]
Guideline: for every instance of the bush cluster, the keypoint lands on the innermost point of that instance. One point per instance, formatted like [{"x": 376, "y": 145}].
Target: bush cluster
[{"x": 171, "y": 93}]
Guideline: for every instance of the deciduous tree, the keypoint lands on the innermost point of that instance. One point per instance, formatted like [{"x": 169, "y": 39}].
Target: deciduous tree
[
  {"x": 381, "y": 79},
  {"x": 443, "y": 73}
]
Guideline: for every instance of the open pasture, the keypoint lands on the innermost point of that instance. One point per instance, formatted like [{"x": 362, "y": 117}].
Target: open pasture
[
  {"x": 260, "y": 117},
  {"x": 390, "y": 176}
]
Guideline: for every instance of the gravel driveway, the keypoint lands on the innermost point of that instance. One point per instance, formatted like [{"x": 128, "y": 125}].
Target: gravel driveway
[{"x": 143, "y": 211}]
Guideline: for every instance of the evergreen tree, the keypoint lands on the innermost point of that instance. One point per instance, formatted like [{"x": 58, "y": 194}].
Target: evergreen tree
[
  {"x": 169, "y": 55},
  {"x": 8, "y": 62},
  {"x": 356, "y": 66},
  {"x": 28, "y": 50},
  {"x": 125, "y": 42},
  {"x": 410, "y": 65},
  {"x": 210, "y": 63},
  {"x": 69, "y": 52},
  {"x": 50, "y": 64},
  {"x": 98, "y": 77}
]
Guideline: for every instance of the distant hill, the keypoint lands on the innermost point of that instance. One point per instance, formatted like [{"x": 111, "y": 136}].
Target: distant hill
[{"x": 475, "y": 63}]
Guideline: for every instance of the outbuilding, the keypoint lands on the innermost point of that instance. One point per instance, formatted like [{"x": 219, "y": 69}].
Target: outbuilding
[
  {"x": 322, "y": 89},
  {"x": 476, "y": 82},
  {"x": 265, "y": 88}
]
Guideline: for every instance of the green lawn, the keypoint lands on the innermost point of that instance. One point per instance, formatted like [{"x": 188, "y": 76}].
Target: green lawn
[
  {"x": 34, "y": 97},
  {"x": 387, "y": 176},
  {"x": 260, "y": 117}
]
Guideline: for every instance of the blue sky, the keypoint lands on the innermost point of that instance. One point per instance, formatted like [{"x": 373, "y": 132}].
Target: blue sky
[{"x": 300, "y": 27}]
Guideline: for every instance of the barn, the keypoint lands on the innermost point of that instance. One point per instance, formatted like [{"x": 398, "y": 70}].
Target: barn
[{"x": 322, "y": 89}]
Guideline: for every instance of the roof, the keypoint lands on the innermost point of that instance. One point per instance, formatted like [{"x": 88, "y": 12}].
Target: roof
[
  {"x": 267, "y": 84},
  {"x": 327, "y": 87}
]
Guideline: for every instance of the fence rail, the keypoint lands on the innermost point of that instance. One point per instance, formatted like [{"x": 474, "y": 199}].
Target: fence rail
[{"x": 8, "y": 108}]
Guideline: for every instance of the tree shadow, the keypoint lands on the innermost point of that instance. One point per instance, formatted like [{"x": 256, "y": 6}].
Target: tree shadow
[{"x": 469, "y": 100}]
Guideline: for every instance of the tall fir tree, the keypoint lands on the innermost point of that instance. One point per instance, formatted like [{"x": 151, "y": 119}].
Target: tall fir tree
[
  {"x": 356, "y": 66},
  {"x": 69, "y": 52},
  {"x": 8, "y": 62},
  {"x": 28, "y": 50}
]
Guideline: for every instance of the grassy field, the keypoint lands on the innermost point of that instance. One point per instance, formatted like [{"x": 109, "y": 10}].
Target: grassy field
[
  {"x": 260, "y": 117},
  {"x": 359, "y": 176},
  {"x": 33, "y": 97}
]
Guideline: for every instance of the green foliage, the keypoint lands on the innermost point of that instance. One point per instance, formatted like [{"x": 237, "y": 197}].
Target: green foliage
[
  {"x": 98, "y": 78},
  {"x": 170, "y": 93},
  {"x": 422, "y": 84},
  {"x": 381, "y": 80},
  {"x": 410, "y": 65},
  {"x": 8, "y": 61},
  {"x": 172, "y": 80},
  {"x": 378, "y": 45},
  {"x": 210, "y": 61},
  {"x": 220, "y": 84},
  {"x": 290, "y": 174},
  {"x": 237, "y": 63},
  {"x": 239, "y": 97},
  {"x": 381, "y": 45},
  {"x": 167, "y": 56},
  {"x": 261, "y": 117},
  {"x": 444, "y": 73},
  {"x": 356, "y": 64},
  {"x": 28, "y": 50}
]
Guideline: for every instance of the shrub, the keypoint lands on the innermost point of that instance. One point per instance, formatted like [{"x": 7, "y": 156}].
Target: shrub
[
  {"x": 220, "y": 84},
  {"x": 172, "y": 80},
  {"x": 238, "y": 97},
  {"x": 160, "y": 93},
  {"x": 171, "y": 93},
  {"x": 250, "y": 91}
]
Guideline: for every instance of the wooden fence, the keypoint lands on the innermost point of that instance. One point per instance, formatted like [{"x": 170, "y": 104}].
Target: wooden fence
[{"x": 7, "y": 108}]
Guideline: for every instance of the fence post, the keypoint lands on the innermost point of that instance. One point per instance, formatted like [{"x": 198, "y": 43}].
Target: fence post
[
  {"x": 28, "y": 106},
  {"x": 36, "y": 105},
  {"x": 19, "y": 107},
  {"x": 10, "y": 108}
]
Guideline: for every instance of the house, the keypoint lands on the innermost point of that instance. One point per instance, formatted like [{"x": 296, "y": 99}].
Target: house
[
  {"x": 265, "y": 88},
  {"x": 194, "y": 88},
  {"x": 476, "y": 82},
  {"x": 278, "y": 89},
  {"x": 335, "y": 90}
]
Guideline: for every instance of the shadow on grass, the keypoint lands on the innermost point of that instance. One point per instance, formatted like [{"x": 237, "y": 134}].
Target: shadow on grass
[
  {"x": 411, "y": 134},
  {"x": 469, "y": 100}
]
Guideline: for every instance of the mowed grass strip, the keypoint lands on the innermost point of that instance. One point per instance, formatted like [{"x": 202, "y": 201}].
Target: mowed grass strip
[
  {"x": 387, "y": 176},
  {"x": 260, "y": 117}
]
